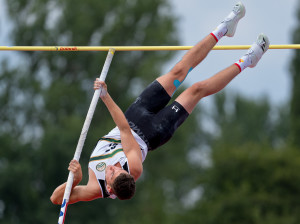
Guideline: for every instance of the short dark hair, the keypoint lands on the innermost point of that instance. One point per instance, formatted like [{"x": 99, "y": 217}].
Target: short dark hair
[{"x": 124, "y": 186}]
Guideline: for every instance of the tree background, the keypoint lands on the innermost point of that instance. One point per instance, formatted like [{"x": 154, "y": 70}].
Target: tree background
[{"x": 249, "y": 174}]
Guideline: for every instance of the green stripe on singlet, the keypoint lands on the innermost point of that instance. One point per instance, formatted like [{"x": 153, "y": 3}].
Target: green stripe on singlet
[
  {"x": 110, "y": 140},
  {"x": 106, "y": 155}
]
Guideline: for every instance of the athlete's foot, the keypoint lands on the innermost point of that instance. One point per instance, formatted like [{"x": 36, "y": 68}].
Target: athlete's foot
[
  {"x": 233, "y": 18},
  {"x": 254, "y": 53},
  {"x": 228, "y": 26},
  {"x": 258, "y": 49}
]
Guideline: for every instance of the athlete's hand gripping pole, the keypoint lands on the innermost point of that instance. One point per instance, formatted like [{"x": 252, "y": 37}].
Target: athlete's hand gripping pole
[{"x": 82, "y": 137}]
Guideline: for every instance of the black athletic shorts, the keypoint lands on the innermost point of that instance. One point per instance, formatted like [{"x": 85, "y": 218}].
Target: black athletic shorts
[{"x": 151, "y": 118}]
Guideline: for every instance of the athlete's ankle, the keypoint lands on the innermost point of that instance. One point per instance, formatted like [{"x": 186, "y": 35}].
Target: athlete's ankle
[
  {"x": 219, "y": 32},
  {"x": 243, "y": 62}
]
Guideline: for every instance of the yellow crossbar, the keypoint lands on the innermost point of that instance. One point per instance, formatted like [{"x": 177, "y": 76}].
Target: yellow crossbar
[{"x": 134, "y": 48}]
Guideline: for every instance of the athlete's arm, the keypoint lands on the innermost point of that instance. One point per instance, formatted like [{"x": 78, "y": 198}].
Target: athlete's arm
[
  {"x": 87, "y": 192},
  {"x": 130, "y": 146}
]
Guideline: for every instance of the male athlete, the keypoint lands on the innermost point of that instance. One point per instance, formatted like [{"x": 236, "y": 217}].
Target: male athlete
[{"x": 116, "y": 162}]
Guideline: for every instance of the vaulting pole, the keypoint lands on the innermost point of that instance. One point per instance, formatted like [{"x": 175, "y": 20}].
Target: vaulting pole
[{"x": 82, "y": 137}]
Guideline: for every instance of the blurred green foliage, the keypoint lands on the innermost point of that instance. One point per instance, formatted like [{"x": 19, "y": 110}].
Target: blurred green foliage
[
  {"x": 244, "y": 170},
  {"x": 45, "y": 96},
  {"x": 295, "y": 93}
]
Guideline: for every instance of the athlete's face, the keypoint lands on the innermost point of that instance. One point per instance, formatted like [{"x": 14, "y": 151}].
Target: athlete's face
[{"x": 111, "y": 173}]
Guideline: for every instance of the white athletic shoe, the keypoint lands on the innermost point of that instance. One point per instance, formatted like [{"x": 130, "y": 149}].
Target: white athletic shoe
[
  {"x": 258, "y": 49},
  {"x": 233, "y": 18}
]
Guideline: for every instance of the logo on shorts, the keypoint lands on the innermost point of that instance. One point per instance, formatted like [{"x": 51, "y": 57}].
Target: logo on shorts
[
  {"x": 101, "y": 166},
  {"x": 175, "y": 108}
]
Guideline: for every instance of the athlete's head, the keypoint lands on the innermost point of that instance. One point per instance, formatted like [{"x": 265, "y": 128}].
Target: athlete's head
[{"x": 119, "y": 182}]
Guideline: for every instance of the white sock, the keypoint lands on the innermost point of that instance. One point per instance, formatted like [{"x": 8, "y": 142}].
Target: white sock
[
  {"x": 219, "y": 32},
  {"x": 243, "y": 63}
]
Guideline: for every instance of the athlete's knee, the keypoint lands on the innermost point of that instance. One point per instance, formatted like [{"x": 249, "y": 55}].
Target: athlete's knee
[
  {"x": 179, "y": 73},
  {"x": 178, "y": 70},
  {"x": 200, "y": 89}
]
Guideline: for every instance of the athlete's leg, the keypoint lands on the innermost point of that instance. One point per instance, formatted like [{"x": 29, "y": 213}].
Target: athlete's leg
[
  {"x": 191, "y": 96},
  {"x": 191, "y": 59},
  {"x": 194, "y": 56}
]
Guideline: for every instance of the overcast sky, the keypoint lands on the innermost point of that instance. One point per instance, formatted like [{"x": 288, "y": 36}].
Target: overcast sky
[{"x": 277, "y": 19}]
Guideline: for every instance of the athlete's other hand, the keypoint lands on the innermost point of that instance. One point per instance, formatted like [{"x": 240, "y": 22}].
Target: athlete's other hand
[
  {"x": 75, "y": 167},
  {"x": 102, "y": 86}
]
